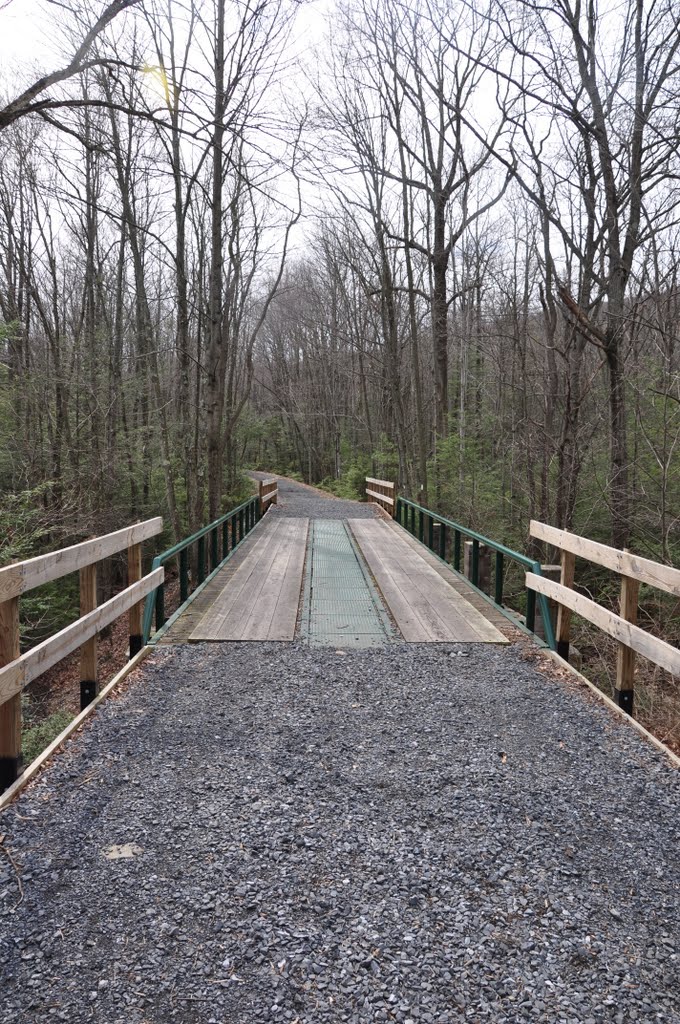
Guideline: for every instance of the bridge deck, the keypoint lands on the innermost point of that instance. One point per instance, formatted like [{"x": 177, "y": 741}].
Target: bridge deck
[
  {"x": 351, "y": 590},
  {"x": 261, "y": 600},
  {"x": 424, "y": 604}
]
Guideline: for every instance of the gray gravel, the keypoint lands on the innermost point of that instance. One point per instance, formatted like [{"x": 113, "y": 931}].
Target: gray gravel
[
  {"x": 412, "y": 834},
  {"x": 297, "y": 501}
]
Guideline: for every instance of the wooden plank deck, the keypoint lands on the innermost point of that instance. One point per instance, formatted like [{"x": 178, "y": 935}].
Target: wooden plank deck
[
  {"x": 425, "y": 605},
  {"x": 459, "y": 584},
  {"x": 261, "y": 600}
]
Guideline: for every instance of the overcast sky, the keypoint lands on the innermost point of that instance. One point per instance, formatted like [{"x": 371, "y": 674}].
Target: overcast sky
[
  {"x": 27, "y": 36},
  {"x": 23, "y": 39}
]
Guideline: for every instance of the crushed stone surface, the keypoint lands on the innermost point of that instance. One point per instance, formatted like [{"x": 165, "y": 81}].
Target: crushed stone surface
[
  {"x": 414, "y": 834},
  {"x": 299, "y": 501}
]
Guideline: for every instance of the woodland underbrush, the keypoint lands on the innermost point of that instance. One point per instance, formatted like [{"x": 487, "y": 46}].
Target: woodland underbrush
[{"x": 657, "y": 694}]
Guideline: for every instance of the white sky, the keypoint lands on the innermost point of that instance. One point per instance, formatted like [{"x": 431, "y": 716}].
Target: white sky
[
  {"x": 27, "y": 32},
  {"x": 23, "y": 38}
]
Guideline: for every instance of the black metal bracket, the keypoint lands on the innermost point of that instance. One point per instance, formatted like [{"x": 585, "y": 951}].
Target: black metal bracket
[
  {"x": 624, "y": 698},
  {"x": 10, "y": 768},
  {"x": 88, "y": 692}
]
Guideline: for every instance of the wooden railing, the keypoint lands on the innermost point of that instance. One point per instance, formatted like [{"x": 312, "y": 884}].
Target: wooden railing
[
  {"x": 269, "y": 493},
  {"x": 17, "y": 670},
  {"x": 384, "y": 492},
  {"x": 623, "y": 627}
]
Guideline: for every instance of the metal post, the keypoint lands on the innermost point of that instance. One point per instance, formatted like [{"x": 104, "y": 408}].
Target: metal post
[
  {"x": 201, "y": 559},
  {"x": 430, "y": 532},
  {"x": 531, "y": 610},
  {"x": 225, "y": 538},
  {"x": 183, "y": 576},
  {"x": 160, "y": 606},
  {"x": 442, "y": 541},
  {"x": 456, "y": 550},
  {"x": 421, "y": 526},
  {"x": 214, "y": 554},
  {"x": 498, "y": 578}
]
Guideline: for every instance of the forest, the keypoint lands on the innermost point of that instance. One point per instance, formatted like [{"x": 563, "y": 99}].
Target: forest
[{"x": 432, "y": 241}]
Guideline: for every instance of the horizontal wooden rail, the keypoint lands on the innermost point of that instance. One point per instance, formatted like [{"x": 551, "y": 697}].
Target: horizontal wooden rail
[
  {"x": 17, "y": 670},
  {"x": 384, "y": 492},
  {"x": 380, "y": 497},
  {"x": 23, "y": 576},
  {"x": 269, "y": 492},
  {"x": 633, "y": 570},
  {"x": 650, "y": 647},
  {"x": 644, "y": 570},
  {"x": 18, "y": 674}
]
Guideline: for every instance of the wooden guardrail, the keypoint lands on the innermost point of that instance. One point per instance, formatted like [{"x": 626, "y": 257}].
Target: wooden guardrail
[
  {"x": 17, "y": 670},
  {"x": 384, "y": 492},
  {"x": 269, "y": 493},
  {"x": 623, "y": 627}
]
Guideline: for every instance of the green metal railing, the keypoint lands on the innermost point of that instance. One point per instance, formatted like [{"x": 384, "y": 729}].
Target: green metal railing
[
  {"x": 225, "y": 533},
  {"x": 421, "y": 522}
]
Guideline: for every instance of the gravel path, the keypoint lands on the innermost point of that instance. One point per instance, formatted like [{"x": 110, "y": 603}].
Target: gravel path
[
  {"x": 297, "y": 500},
  {"x": 410, "y": 835}
]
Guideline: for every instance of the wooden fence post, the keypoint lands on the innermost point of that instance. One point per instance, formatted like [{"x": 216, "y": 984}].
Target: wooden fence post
[
  {"x": 137, "y": 611},
  {"x": 88, "y": 652},
  {"x": 567, "y": 569},
  {"x": 10, "y": 711},
  {"x": 625, "y": 658}
]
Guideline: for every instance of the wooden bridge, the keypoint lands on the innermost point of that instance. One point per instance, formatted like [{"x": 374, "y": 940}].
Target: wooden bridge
[{"x": 349, "y": 777}]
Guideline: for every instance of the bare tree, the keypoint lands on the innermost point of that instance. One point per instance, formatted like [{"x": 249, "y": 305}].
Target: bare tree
[
  {"x": 618, "y": 110},
  {"x": 33, "y": 99}
]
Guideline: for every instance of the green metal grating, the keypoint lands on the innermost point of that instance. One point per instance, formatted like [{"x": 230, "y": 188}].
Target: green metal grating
[{"x": 341, "y": 606}]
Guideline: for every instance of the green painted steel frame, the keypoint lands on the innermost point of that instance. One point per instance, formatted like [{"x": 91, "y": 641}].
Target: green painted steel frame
[
  {"x": 244, "y": 516},
  {"x": 404, "y": 507}
]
